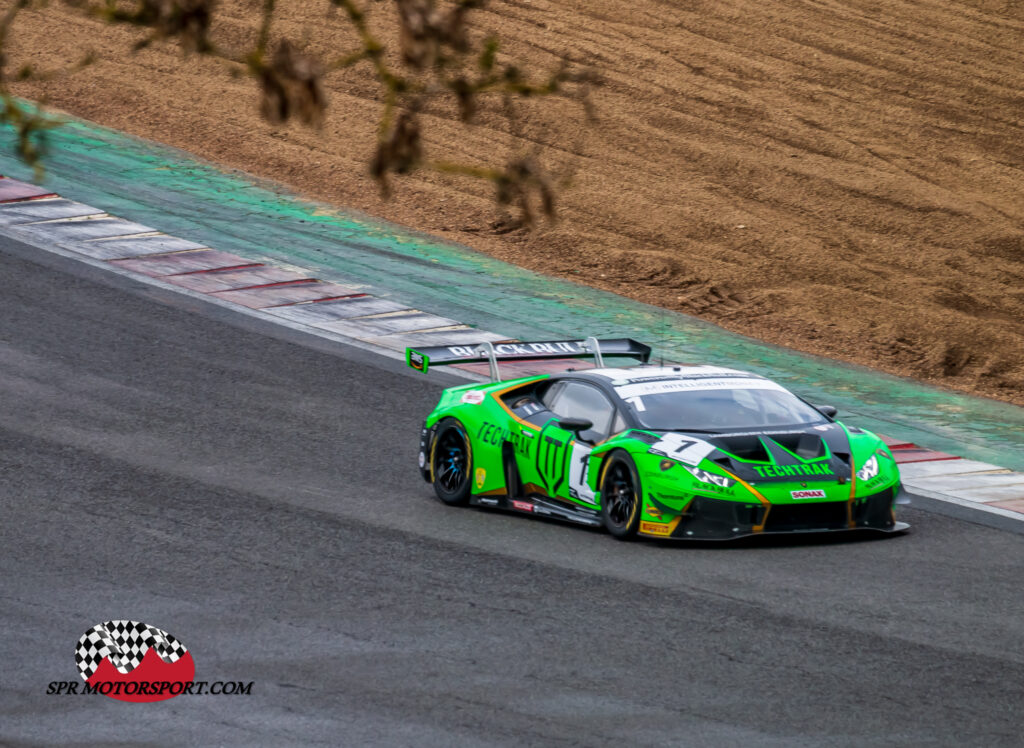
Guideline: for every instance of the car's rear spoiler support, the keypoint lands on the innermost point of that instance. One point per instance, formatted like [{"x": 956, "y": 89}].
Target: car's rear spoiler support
[
  {"x": 492, "y": 357},
  {"x": 422, "y": 359}
]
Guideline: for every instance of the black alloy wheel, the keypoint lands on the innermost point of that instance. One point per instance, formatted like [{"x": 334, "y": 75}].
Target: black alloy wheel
[
  {"x": 620, "y": 496},
  {"x": 451, "y": 463}
]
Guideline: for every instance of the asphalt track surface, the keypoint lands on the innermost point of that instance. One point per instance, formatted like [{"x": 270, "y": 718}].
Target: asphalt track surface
[{"x": 256, "y": 495}]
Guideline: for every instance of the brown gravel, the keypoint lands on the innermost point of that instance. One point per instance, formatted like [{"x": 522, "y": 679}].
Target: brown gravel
[{"x": 841, "y": 177}]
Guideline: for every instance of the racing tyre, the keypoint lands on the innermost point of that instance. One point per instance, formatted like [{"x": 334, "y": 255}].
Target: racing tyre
[
  {"x": 620, "y": 495},
  {"x": 451, "y": 463}
]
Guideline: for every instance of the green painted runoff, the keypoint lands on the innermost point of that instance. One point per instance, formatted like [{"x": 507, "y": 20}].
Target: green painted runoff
[{"x": 174, "y": 192}]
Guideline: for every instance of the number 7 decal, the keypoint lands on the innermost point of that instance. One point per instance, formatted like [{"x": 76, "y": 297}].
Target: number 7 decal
[{"x": 687, "y": 450}]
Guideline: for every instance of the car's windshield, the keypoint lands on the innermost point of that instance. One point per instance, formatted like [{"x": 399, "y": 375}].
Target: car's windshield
[{"x": 718, "y": 408}]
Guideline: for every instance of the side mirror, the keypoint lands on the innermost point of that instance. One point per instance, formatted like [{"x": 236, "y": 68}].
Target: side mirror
[
  {"x": 827, "y": 410},
  {"x": 575, "y": 425}
]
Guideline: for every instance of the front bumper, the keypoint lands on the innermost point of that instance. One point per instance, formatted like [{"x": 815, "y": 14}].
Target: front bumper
[{"x": 707, "y": 518}]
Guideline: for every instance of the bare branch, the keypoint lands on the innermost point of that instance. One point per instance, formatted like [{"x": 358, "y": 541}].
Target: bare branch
[
  {"x": 291, "y": 86},
  {"x": 441, "y": 60},
  {"x": 187, "y": 21},
  {"x": 399, "y": 152},
  {"x": 30, "y": 123}
]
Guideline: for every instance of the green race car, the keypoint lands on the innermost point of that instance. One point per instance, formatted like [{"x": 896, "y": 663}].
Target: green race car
[{"x": 686, "y": 452}]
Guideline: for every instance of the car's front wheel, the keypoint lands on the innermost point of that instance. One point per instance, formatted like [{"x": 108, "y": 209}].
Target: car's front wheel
[
  {"x": 451, "y": 463},
  {"x": 620, "y": 495}
]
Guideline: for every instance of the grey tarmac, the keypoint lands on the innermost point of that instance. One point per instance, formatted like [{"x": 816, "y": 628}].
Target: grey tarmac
[{"x": 255, "y": 493}]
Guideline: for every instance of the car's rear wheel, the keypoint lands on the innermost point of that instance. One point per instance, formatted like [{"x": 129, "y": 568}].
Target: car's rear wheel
[
  {"x": 451, "y": 463},
  {"x": 620, "y": 495}
]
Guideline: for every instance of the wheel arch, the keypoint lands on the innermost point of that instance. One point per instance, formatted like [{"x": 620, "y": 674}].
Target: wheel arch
[{"x": 626, "y": 442}]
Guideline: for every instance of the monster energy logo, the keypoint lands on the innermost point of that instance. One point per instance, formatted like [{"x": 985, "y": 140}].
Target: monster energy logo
[
  {"x": 551, "y": 453},
  {"x": 781, "y": 471}
]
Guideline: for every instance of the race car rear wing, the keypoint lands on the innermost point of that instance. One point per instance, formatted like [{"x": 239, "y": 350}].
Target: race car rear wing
[{"x": 422, "y": 359}]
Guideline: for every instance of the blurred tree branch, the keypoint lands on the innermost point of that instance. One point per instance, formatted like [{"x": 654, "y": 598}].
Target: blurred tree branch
[
  {"x": 29, "y": 122},
  {"x": 436, "y": 59}
]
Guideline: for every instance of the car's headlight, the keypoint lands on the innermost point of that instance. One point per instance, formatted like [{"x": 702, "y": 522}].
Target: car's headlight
[{"x": 869, "y": 469}]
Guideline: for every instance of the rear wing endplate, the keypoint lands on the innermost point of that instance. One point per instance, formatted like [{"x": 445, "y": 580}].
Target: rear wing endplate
[{"x": 422, "y": 359}]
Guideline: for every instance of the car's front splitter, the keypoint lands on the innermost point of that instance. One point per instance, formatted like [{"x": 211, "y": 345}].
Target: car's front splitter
[
  {"x": 707, "y": 518},
  {"x": 896, "y": 529}
]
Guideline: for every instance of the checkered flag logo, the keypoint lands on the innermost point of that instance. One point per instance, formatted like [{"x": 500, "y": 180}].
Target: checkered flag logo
[{"x": 124, "y": 643}]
